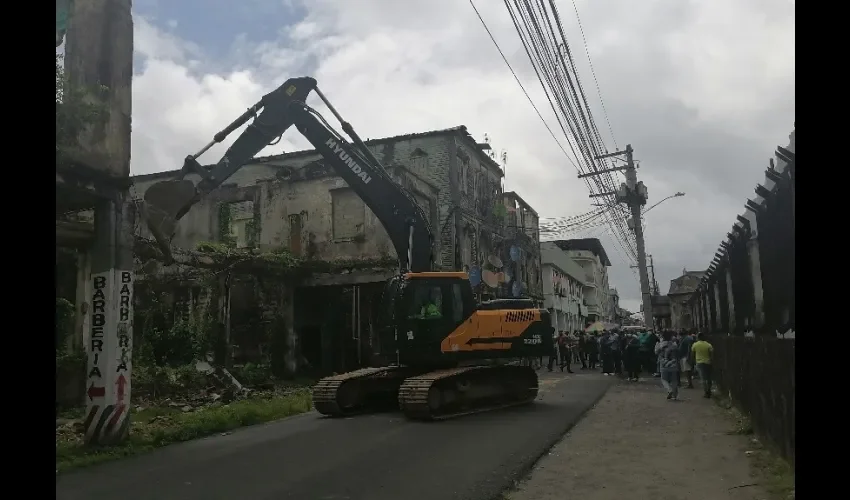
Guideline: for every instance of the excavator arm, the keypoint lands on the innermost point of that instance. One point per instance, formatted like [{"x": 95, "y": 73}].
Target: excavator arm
[{"x": 405, "y": 222}]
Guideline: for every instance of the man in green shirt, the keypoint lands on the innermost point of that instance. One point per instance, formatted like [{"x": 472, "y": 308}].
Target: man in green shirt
[
  {"x": 430, "y": 308},
  {"x": 703, "y": 355}
]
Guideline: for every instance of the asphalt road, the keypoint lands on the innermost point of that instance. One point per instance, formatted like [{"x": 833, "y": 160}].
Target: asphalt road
[{"x": 372, "y": 457}]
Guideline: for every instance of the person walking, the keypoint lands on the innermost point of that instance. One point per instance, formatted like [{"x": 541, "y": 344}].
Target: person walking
[
  {"x": 631, "y": 357},
  {"x": 686, "y": 358},
  {"x": 582, "y": 348},
  {"x": 616, "y": 352},
  {"x": 647, "y": 347},
  {"x": 668, "y": 361},
  {"x": 703, "y": 355},
  {"x": 605, "y": 352},
  {"x": 592, "y": 346},
  {"x": 553, "y": 353},
  {"x": 564, "y": 351}
]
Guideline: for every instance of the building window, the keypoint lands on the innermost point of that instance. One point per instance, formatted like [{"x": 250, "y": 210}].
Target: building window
[
  {"x": 425, "y": 204},
  {"x": 241, "y": 217},
  {"x": 349, "y": 214}
]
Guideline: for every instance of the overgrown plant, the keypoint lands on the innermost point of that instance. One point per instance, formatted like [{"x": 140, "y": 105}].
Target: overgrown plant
[
  {"x": 66, "y": 360},
  {"x": 225, "y": 222}
]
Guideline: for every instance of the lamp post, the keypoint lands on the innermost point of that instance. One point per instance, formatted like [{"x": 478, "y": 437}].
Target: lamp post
[{"x": 676, "y": 195}]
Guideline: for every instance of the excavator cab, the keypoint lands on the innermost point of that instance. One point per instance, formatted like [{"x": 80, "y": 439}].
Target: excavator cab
[{"x": 421, "y": 310}]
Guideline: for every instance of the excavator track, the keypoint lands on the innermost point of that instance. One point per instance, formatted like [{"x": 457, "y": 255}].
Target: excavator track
[
  {"x": 455, "y": 392},
  {"x": 359, "y": 391}
]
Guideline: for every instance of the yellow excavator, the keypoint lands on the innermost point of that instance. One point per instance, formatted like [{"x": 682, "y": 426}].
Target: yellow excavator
[{"x": 451, "y": 356}]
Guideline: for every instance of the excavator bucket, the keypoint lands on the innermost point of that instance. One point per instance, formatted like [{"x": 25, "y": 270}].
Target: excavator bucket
[{"x": 163, "y": 203}]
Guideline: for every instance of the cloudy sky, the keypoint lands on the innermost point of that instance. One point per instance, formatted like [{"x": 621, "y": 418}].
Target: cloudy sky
[{"x": 703, "y": 90}]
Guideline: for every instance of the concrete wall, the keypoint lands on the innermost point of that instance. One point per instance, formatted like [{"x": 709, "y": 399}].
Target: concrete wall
[
  {"x": 596, "y": 283},
  {"x": 522, "y": 228},
  {"x": 562, "y": 295},
  {"x": 300, "y": 205}
]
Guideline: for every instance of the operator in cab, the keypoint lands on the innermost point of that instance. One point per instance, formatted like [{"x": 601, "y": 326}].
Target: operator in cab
[{"x": 431, "y": 305}]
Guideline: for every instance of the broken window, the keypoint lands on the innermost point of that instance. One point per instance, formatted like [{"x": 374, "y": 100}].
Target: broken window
[
  {"x": 349, "y": 214},
  {"x": 424, "y": 203},
  {"x": 241, "y": 222}
]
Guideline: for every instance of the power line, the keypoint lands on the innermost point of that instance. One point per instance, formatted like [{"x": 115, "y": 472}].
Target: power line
[
  {"x": 583, "y": 130},
  {"x": 559, "y": 79},
  {"x": 593, "y": 72},
  {"x": 504, "y": 58}
]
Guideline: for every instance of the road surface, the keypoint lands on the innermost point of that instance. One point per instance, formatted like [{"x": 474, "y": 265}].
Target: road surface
[{"x": 371, "y": 457}]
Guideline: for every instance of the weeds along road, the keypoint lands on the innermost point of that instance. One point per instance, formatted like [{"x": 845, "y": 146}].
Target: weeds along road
[{"x": 369, "y": 457}]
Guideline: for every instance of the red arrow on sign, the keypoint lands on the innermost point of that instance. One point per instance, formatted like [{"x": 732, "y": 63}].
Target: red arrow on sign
[
  {"x": 121, "y": 382},
  {"x": 96, "y": 392}
]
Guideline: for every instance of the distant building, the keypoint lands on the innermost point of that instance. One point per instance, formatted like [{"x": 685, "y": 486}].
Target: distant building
[
  {"x": 522, "y": 234},
  {"x": 614, "y": 312},
  {"x": 661, "y": 314},
  {"x": 563, "y": 288},
  {"x": 590, "y": 255},
  {"x": 681, "y": 290}
]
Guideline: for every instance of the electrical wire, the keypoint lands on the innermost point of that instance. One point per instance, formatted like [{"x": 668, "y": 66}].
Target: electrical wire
[
  {"x": 519, "y": 82},
  {"x": 596, "y": 80},
  {"x": 566, "y": 96},
  {"x": 559, "y": 78}
]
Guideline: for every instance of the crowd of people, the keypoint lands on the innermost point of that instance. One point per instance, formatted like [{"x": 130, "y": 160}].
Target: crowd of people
[{"x": 672, "y": 356}]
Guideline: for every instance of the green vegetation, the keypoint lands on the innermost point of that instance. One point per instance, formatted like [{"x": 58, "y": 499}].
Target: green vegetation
[
  {"x": 160, "y": 426},
  {"x": 281, "y": 261},
  {"x": 771, "y": 472}
]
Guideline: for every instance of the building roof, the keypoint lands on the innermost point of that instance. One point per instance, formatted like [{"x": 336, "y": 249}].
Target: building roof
[
  {"x": 686, "y": 283},
  {"x": 460, "y": 130},
  {"x": 515, "y": 196},
  {"x": 551, "y": 255},
  {"x": 592, "y": 245}
]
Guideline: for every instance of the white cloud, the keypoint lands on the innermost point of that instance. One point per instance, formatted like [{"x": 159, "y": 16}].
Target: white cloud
[{"x": 702, "y": 90}]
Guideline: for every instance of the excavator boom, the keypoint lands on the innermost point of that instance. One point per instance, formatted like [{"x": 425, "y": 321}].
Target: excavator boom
[
  {"x": 405, "y": 222},
  {"x": 442, "y": 359}
]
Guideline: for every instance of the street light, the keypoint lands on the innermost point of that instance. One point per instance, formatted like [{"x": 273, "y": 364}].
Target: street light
[
  {"x": 631, "y": 223},
  {"x": 663, "y": 200}
]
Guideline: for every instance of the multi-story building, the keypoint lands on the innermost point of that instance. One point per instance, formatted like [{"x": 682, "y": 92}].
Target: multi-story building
[
  {"x": 521, "y": 249},
  {"x": 297, "y": 202},
  {"x": 563, "y": 289},
  {"x": 681, "y": 290},
  {"x": 590, "y": 255}
]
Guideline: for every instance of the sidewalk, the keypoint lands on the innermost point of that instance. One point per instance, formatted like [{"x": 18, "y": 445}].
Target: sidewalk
[{"x": 637, "y": 445}]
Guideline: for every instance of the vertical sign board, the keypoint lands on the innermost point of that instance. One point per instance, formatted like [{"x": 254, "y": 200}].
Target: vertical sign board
[{"x": 109, "y": 357}]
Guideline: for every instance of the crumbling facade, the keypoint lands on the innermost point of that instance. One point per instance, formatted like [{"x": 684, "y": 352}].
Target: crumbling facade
[
  {"x": 680, "y": 292},
  {"x": 296, "y": 202}
]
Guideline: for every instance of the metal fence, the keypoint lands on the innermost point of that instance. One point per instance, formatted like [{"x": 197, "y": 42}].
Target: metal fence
[{"x": 757, "y": 374}]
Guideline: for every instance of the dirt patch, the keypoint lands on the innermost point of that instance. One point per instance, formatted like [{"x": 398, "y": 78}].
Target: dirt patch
[{"x": 635, "y": 444}]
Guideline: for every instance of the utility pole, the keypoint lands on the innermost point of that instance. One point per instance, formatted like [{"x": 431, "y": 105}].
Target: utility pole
[
  {"x": 633, "y": 194},
  {"x": 654, "y": 282},
  {"x": 98, "y": 37}
]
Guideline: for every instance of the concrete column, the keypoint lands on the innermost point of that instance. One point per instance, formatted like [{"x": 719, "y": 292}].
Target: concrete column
[
  {"x": 293, "y": 350},
  {"x": 82, "y": 325},
  {"x": 110, "y": 341},
  {"x": 713, "y": 312},
  {"x": 730, "y": 299},
  {"x": 758, "y": 290}
]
